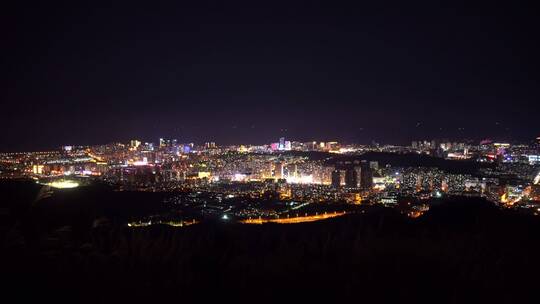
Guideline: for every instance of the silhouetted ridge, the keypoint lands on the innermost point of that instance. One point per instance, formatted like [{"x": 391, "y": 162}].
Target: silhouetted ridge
[{"x": 462, "y": 250}]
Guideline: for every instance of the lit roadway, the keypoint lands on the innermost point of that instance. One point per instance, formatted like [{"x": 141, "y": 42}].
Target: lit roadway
[{"x": 294, "y": 220}]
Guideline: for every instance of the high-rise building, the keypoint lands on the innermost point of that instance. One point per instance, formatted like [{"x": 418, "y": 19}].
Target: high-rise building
[
  {"x": 310, "y": 146},
  {"x": 366, "y": 176},
  {"x": 278, "y": 170},
  {"x": 351, "y": 179},
  {"x": 163, "y": 143},
  {"x": 358, "y": 175},
  {"x": 336, "y": 178},
  {"x": 535, "y": 192},
  {"x": 135, "y": 144},
  {"x": 292, "y": 170},
  {"x": 148, "y": 146},
  {"x": 332, "y": 146},
  {"x": 288, "y": 146},
  {"x": 342, "y": 177}
]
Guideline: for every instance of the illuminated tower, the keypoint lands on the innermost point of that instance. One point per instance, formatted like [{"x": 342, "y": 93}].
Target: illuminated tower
[
  {"x": 281, "y": 143},
  {"x": 134, "y": 144},
  {"x": 278, "y": 170},
  {"x": 358, "y": 175}
]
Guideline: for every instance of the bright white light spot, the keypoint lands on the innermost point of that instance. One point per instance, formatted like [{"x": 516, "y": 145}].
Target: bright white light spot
[
  {"x": 63, "y": 184},
  {"x": 306, "y": 179},
  {"x": 238, "y": 177}
]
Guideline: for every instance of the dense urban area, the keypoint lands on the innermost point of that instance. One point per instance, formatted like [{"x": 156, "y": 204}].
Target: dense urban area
[{"x": 290, "y": 181}]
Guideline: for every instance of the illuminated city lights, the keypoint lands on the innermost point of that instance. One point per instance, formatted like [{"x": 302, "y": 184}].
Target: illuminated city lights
[
  {"x": 63, "y": 184},
  {"x": 294, "y": 219},
  {"x": 268, "y": 151},
  {"x": 272, "y": 172}
]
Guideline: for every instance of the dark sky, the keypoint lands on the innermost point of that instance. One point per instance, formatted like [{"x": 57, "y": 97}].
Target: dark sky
[{"x": 251, "y": 72}]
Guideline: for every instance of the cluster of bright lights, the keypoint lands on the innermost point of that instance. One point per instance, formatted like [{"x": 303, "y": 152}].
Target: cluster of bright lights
[
  {"x": 294, "y": 219},
  {"x": 63, "y": 184},
  {"x": 238, "y": 177},
  {"x": 143, "y": 162},
  {"x": 306, "y": 179}
]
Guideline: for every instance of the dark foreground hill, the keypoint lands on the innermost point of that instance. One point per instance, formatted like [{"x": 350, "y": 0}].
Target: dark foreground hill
[{"x": 461, "y": 251}]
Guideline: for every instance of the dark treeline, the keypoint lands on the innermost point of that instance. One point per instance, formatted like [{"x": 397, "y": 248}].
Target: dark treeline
[{"x": 462, "y": 250}]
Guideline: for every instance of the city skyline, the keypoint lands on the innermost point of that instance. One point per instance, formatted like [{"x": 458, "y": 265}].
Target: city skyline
[
  {"x": 303, "y": 173},
  {"x": 248, "y": 73},
  {"x": 156, "y": 142}
]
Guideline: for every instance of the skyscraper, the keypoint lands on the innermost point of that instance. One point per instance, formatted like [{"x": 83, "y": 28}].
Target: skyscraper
[
  {"x": 336, "y": 178},
  {"x": 278, "y": 171},
  {"x": 281, "y": 143},
  {"x": 366, "y": 176},
  {"x": 351, "y": 179},
  {"x": 135, "y": 144},
  {"x": 288, "y": 146}
]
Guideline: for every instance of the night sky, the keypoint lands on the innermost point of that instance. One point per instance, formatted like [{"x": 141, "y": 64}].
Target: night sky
[{"x": 252, "y": 72}]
